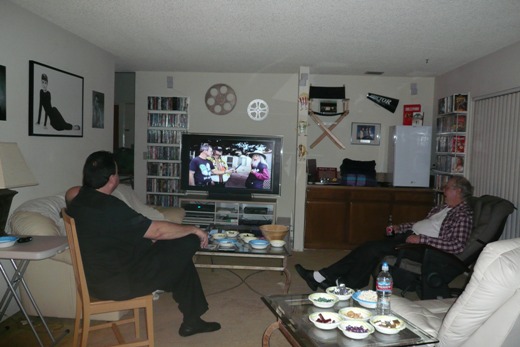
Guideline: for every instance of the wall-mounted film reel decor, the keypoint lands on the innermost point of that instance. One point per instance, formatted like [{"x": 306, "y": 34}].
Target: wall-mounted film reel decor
[
  {"x": 258, "y": 109},
  {"x": 220, "y": 99}
]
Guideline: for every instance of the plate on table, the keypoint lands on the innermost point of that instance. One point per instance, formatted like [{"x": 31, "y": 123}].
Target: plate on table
[
  {"x": 366, "y": 298},
  {"x": 7, "y": 241}
]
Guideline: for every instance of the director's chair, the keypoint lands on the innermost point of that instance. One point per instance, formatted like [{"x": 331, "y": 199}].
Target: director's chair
[{"x": 330, "y": 93}]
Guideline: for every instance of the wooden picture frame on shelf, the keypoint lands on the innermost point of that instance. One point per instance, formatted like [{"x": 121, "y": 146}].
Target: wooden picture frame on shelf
[
  {"x": 55, "y": 102},
  {"x": 366, "y": 134}
]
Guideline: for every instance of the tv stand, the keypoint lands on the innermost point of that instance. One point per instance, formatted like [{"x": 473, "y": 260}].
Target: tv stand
[{"x": 204, "y": 211}]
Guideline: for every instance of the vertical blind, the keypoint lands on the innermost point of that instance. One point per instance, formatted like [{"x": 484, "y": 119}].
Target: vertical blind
[{"x": 495, "y": 151}]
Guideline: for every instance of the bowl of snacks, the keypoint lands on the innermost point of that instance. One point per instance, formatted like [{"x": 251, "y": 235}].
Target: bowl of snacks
[
  {"x": 355, "y": 313},
  {"x": 343, "y": 293},
  {"x": 355, "y": 329},
  {"x": 244, "y": 235},
  {"x": 325, "y": 320},
  {"x": 277, "y": 243},
  {"x": 259, "y": 244},
  {"x": 387, "y": 324},
  {"x": 323, "y": 300},
  {"x": 218, "y": 236},
  {"x": 231, "y": 234},
  {"x": 226, "y": 243},
  {"x": 366, "y": 298}
]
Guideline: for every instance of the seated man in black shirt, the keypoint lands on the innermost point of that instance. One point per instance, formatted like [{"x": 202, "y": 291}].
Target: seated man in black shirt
[{"x": 126, "y": 255}]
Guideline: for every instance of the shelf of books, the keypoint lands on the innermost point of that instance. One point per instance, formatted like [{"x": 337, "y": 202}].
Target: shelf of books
[
  {"x": 450, "y": 136},
  {"x": 167, "y": 121}
]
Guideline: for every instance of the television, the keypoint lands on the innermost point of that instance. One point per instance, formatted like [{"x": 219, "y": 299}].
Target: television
[{"x": 249, "y": 165}]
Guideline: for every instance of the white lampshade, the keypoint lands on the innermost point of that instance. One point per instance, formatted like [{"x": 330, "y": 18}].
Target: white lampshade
[{"x": 14, "y": 171}]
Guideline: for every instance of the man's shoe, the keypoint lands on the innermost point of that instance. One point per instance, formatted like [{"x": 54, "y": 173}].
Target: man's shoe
[
  {"x": 307, "y": 275},
  {"x": 200, "y": 327}
]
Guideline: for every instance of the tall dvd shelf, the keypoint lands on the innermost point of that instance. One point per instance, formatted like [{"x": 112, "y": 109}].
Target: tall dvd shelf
[
  {"x": 451, "y": 141},
  {"x": 167, "y": 121}
]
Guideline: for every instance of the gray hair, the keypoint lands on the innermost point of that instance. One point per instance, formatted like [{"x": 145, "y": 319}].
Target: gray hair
[{"x": 466, "y": 189}]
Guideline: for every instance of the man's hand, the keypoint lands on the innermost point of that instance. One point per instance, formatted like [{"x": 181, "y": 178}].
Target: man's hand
[
  {"x": 203, "y": 236},
  {"x": 413, "y": 239}
]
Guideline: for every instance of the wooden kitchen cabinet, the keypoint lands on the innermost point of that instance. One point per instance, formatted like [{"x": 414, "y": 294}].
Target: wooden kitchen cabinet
[{"x": 345, "y": 217}]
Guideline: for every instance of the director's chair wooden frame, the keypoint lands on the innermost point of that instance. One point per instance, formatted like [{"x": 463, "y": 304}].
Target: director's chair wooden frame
[{"x": 331, "y": 93}]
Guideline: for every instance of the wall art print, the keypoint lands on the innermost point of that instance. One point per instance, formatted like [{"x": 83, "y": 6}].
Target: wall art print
[{"x": 55, "y": 102}]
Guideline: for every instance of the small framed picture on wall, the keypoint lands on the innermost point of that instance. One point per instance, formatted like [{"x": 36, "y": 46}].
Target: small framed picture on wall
[
  {"x": 98, "y": 110},
  {"x": 365, "y": 134}
]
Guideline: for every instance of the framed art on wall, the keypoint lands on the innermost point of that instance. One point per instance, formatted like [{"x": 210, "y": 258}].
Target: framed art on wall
[
  {"x": 55, "y": 102},
  {"x": 365, "y": 134},
  {"x": 98, "y": 110}
]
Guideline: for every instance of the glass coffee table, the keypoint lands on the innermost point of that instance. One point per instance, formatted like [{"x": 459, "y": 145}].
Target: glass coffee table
[
  {"x": 292, "y": 314},
  {"x": 243, "y": 257}
]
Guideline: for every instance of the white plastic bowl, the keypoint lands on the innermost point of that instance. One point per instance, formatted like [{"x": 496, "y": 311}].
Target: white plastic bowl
[
  {"x": 347, "y": 295},
  {"x": 244, "y": 235},
  {"x": 231, "y": 234},
  {"x": 335, "y": 319},
  {"x": 246, "y": 239},
  {"x": 344, "y": 327},
  {"x": 387, "y": 324},
  {"x": 355, "y": 313},
  {"x": 226, "y": 243},
  {"x": 323, "y": 300},
  {"x": 218, "y": 236},
  {"x": 277, "y": 243},
  {"x": 364, "y": 303},
  {"x": 259, "y": 244}
]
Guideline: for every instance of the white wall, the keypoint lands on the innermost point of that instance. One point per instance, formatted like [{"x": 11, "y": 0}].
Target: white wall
[
  {"x": 280, "y": 92},
  {"x": 56, "y": 162}
]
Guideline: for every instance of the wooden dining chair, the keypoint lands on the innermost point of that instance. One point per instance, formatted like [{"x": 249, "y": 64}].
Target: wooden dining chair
[{"x": 86, "y": 306}]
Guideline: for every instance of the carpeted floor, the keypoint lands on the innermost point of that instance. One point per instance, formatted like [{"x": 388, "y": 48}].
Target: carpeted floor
[{"x": 234, "y": 301}]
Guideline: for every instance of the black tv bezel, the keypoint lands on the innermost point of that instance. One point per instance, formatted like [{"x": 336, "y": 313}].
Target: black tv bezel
[{"x": 215, "y": 139}]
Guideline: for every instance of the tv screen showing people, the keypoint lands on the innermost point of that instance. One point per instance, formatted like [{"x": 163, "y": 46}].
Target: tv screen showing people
[{"x": 233, "y": 163}]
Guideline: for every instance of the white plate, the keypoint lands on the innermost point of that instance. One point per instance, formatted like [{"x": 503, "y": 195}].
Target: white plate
[{"x": 7, "y": 241}]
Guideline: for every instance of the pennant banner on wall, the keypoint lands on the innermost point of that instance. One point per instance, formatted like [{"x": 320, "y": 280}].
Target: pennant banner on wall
[{"x": 384, "y": 101}]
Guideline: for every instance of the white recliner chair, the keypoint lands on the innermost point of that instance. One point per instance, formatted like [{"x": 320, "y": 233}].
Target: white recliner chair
[{"x": 486, "y": 314}]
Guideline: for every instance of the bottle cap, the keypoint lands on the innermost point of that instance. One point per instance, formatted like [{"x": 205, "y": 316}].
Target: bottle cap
[{"x": 384, "y": 267}]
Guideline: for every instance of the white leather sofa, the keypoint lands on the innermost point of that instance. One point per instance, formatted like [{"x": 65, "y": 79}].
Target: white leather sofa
[
  {"x": 486, "y": 314},
  {"x": 51, "y": 281}
]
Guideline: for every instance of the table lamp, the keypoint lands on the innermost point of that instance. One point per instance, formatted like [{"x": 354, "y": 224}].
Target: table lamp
[{"x": 14, "y": 173}]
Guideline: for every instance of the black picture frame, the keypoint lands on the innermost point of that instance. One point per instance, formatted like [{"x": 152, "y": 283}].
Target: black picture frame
[
  {"x": 366, "y": 134},
  {"x": 58, "y": 110}
]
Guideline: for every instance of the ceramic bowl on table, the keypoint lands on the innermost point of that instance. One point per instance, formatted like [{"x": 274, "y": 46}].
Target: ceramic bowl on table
[
  {"x": 366, "y": 298},
  {"x": 259, "y": 244},
  {"x": 7, "y": 241},
  {"x": 277, "y": 243},
  {"x": 323, "y": 300},
  {"x": 244, "y": 235},
  {"x": 387, "y": 324},
  {"x": 226, "y": 243},
  {"x": 218, "y": 236},
  {"x": 231, "y": 234},
  {"x": 355, "y": 313},
  {"x": 325, "y": 320},
  {"x": 336, "y": 291},
  {"x": 356, "y": 329}
]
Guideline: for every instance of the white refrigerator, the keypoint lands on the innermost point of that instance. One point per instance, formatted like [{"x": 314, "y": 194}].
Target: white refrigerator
[{"x": 409, "y": 155}]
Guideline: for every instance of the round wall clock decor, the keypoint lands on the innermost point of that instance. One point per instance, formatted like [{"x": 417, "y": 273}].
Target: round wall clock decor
[
  {"x": 258, "y": 109},
  {"x": 220, "y": 99}
]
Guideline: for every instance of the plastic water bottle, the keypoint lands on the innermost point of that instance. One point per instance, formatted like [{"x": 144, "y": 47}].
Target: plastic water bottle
[{"x": 384, "y": 286}]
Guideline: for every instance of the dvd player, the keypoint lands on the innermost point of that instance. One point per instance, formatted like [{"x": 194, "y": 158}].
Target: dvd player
[
  {"x": 199, "y": 207},
  {"x": 256, "y": 210}
]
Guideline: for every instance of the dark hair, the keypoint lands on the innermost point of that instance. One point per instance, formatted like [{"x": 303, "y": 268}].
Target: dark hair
[
  {"x": 44, "y": 77},
  {"x": 464, "y": 185},
  {"x": 98, "y": 168}
]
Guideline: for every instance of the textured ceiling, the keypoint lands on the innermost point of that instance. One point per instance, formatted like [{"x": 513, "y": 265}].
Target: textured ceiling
[{"x": 346, "y": 37}]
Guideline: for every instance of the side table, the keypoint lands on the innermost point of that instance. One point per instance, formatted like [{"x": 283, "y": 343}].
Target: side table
[{"x": 19, "y": 256}]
